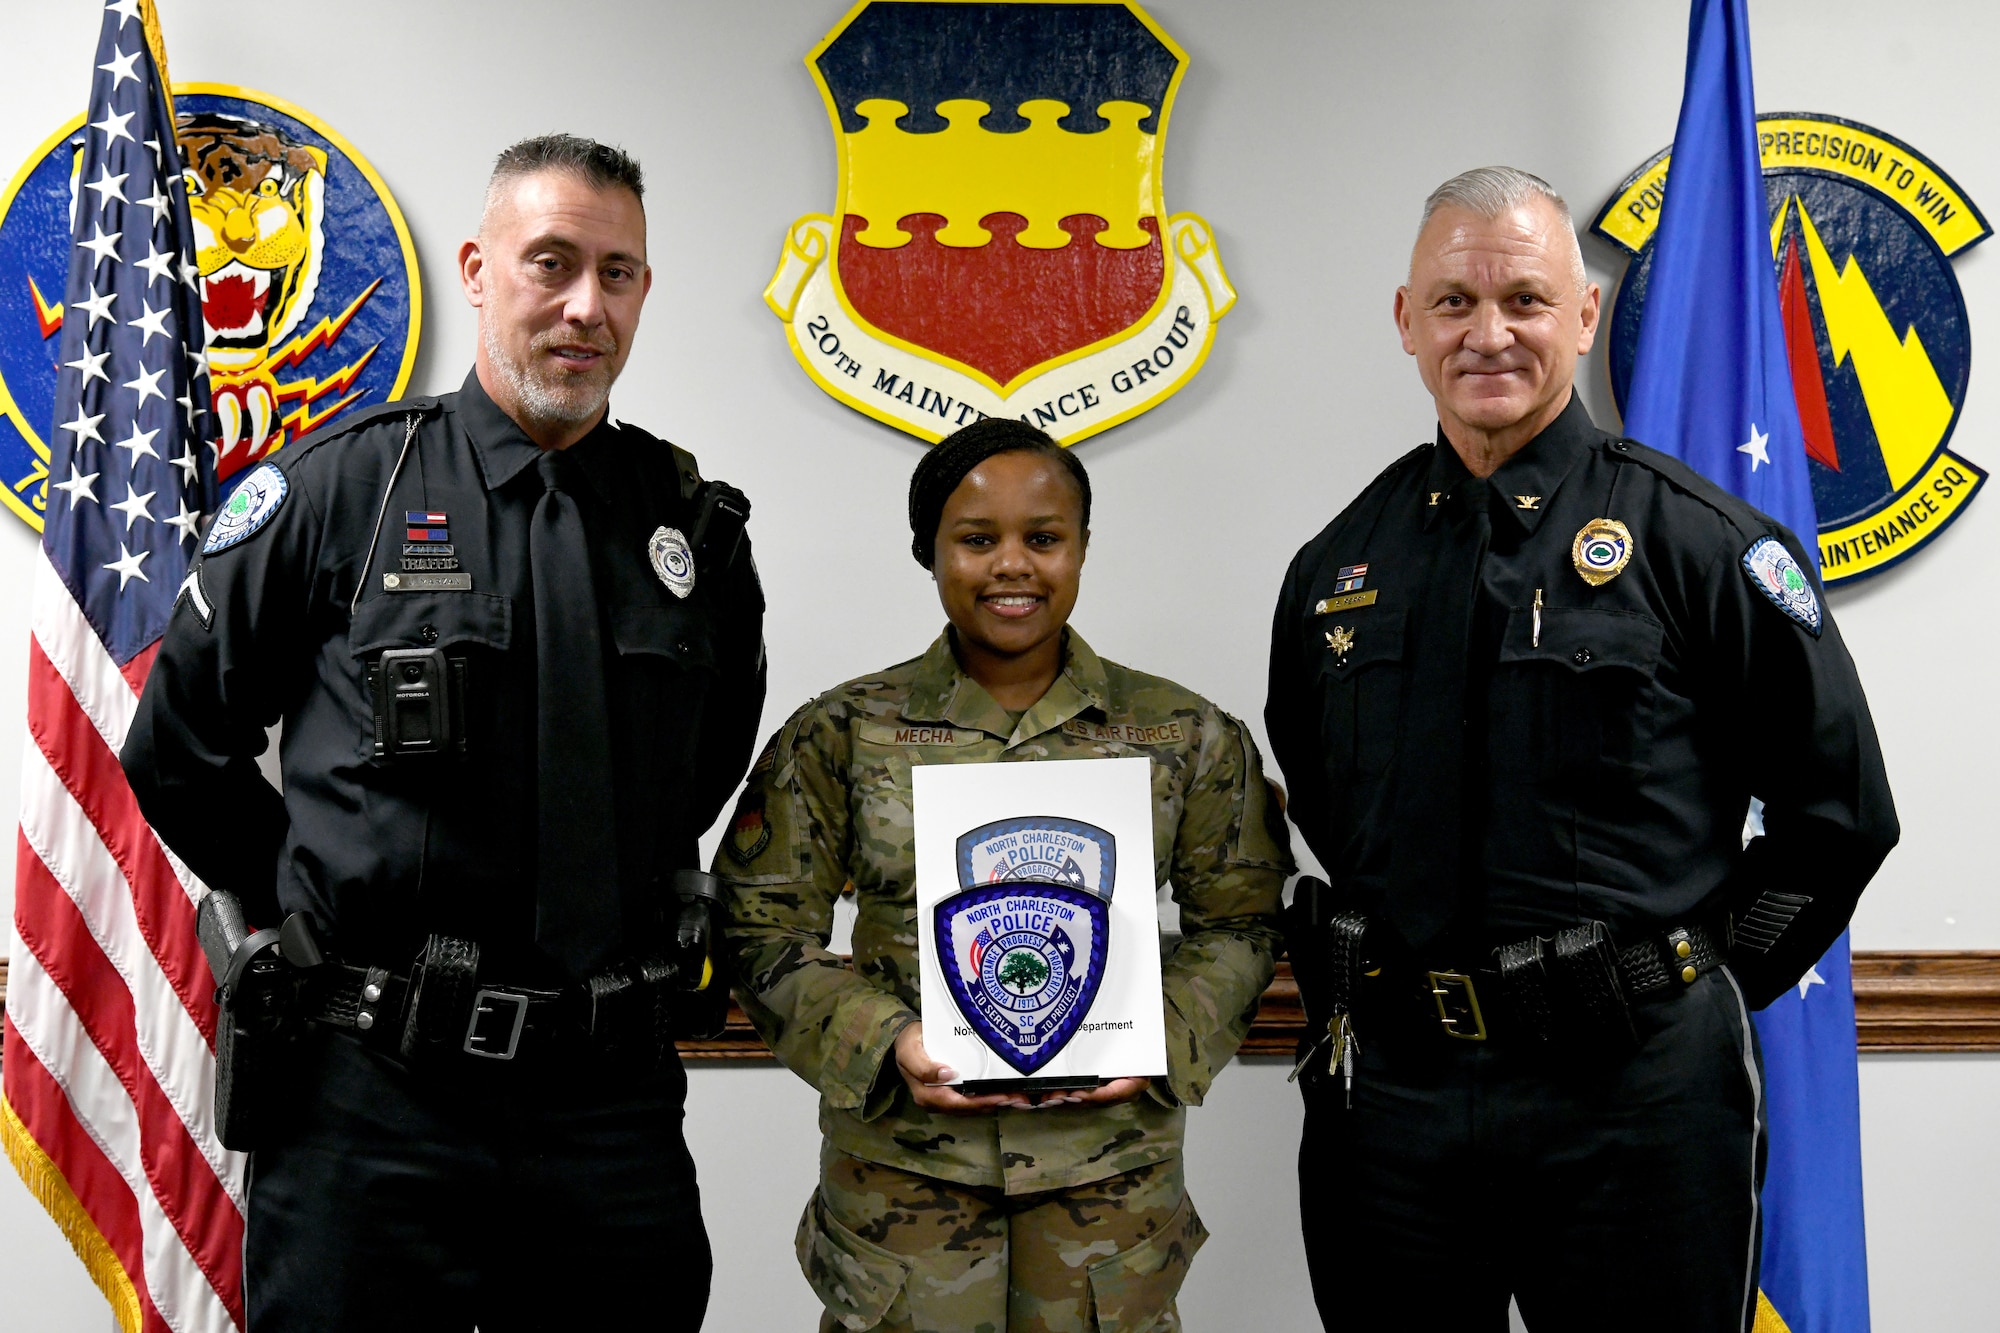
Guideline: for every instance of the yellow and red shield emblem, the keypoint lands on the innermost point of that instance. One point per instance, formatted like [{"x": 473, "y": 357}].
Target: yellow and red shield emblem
[{"x": 1000, "y": 245}]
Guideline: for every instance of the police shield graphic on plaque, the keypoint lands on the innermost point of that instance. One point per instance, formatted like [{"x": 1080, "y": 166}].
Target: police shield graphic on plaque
[
  {"x": 1037, "y": 919},
  {"x": 1000, "y": 244},
  {"x": 1022, "y": 945}
]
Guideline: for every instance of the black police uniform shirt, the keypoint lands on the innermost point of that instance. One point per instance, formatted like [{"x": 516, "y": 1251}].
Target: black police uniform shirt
[
  {"x": 1613, "y": 746},
  {"x": 383, "y": 854}
]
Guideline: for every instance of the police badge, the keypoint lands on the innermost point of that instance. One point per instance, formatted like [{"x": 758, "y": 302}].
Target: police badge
[
  {"x": 672, "y": 560},
  {"x": 1023, "y": 944}
]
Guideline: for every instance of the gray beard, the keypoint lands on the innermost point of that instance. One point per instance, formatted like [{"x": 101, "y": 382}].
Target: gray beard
[{"x": 545, "y": 404}]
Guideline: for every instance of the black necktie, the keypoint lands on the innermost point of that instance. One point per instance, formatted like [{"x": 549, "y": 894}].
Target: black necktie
[
  {"x": 1426, "y": 871},
  {"x": 576, "y": 874}
]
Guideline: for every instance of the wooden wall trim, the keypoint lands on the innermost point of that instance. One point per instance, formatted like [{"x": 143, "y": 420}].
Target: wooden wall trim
[
  {"x": 1907, "y": 1001},
  {"x": 1927, "y": 1000}
]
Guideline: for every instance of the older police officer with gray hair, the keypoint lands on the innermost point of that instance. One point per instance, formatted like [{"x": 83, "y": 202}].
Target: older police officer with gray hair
[
  {"x": 517, "y": 651},
  {"x": 1524, "y": 692}
]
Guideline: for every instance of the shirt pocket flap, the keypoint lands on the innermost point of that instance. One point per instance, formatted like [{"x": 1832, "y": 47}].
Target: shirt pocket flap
[
  {"x": 854, "y": 1279},
  {"x": 1133, "y": 1288},
  {"x": 1583, "y": 638},
  {"x": 431, "y": 620},
  {"x": 1355, "y": 642},
  {"x": 677, "y": 633}
]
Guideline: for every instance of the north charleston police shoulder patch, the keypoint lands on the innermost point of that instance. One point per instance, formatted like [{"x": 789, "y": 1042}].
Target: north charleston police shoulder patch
[
  {"x": 1023, "y": 946},
  {"x": 1775, "y": 574},
  {"x": 248, "y": 508}
]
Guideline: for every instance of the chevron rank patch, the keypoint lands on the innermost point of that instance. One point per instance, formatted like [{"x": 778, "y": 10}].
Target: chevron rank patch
[{"x": 1775, "y": 574}]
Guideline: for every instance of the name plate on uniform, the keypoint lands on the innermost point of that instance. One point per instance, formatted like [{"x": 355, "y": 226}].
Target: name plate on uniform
[
  {"x": 427, "y": 583},
  {"x": 1037, "y": 920}
]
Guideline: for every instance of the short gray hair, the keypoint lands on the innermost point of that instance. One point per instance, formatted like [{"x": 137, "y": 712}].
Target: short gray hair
[
  {"x": 600, "y": 166},
  {"x": 1491, "y": 191}
]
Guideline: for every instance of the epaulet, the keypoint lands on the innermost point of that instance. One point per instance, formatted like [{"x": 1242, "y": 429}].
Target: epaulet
[
  {"x": 1382, "y": 478},
  {"x": 1690, "y": 483},
  {"x": 1405, "y": 460},
  {"x": 685, "y": 466},
  {"x": 359, "y": 421},
  {"x": 688, "y": 470}
]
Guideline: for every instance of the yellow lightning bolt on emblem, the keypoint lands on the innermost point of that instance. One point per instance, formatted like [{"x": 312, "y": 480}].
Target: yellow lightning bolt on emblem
[{"x": 1907, "y": 403}]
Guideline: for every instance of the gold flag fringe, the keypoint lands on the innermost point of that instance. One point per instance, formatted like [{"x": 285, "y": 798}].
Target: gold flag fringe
[
  {"x": 46, "y": 1183},
  {"x": 1768, "y": 1318}
]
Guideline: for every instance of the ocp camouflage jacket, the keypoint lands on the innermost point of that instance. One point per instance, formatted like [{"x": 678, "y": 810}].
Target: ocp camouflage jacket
[{"x": 829, "y": 804}]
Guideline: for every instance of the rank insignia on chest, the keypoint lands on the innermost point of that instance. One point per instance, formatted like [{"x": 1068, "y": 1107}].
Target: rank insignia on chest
[
  {"x": 1602, "y": 549},
  {"x": 1023, "y": 943},
  {"x": 1340, "y": 639},
  {"x": 672, "y": 560},
  {"x": 426, "y": 525}
]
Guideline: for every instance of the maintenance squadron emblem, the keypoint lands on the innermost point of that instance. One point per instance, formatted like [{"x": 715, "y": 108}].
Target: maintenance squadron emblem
[
  {"x": 1863, "y": 232},
  {"x": 308, "y": 280}
]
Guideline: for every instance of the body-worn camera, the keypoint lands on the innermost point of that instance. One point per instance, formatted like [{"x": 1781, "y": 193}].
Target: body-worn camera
[
  {"x": 718, "y": 526},
  {"x": 419, "y": 698}
]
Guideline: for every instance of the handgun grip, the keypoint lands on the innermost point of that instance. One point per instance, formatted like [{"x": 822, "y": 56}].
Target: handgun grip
[{"x": 220, "y": 927}]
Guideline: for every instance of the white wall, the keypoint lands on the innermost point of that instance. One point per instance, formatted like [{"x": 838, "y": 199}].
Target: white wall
[{"x": 1307, "y": 133}]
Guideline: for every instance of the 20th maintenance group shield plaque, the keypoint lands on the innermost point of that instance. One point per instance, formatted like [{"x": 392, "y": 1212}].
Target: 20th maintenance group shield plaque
[
  {"x": 1023, "y": 945},
  {"x": 1000, "y": 245}
]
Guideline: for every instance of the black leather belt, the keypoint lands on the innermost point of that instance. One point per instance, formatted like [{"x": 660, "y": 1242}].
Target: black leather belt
[
  {"x": 1670, "y": 961},
  {"x": 497, "y": 1022},
  {"x": 1470, "y": 1004}
]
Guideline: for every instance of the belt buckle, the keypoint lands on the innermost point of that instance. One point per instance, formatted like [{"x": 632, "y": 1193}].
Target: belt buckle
[
  {"x": 1457, "y": 1005},
  {"x": 477, "y": 1036}
]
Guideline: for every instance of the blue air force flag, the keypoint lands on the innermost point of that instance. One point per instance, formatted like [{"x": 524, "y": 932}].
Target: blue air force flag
[{"x": 1711, "y": 383}]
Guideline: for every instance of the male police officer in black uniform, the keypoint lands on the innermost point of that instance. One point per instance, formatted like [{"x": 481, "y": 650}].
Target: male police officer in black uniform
[
  {"x": 1525, "y": 689},
  {"x": 517, "y": 652}
]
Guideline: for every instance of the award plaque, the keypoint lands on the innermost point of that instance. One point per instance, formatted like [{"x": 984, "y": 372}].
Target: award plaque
[{"x": 1038, "y": 924}]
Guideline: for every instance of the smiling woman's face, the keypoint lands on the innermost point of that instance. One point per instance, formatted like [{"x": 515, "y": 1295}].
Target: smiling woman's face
[{"x": 1009, "y": 555}]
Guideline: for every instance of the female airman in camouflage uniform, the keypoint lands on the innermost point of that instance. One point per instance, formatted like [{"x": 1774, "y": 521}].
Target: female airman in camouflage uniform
[{"x": 937, "y": 1210}]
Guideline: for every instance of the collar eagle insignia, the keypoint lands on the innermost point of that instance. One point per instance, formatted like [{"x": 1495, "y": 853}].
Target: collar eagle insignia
[{"x": 999, "y": 245}]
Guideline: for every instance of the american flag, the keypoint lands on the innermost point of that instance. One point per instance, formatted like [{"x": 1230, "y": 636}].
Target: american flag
[{"x": 110, "y": 1025}]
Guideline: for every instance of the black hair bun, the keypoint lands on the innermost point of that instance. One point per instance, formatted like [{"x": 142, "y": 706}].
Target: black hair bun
[{"x": 940, "y": 471}]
